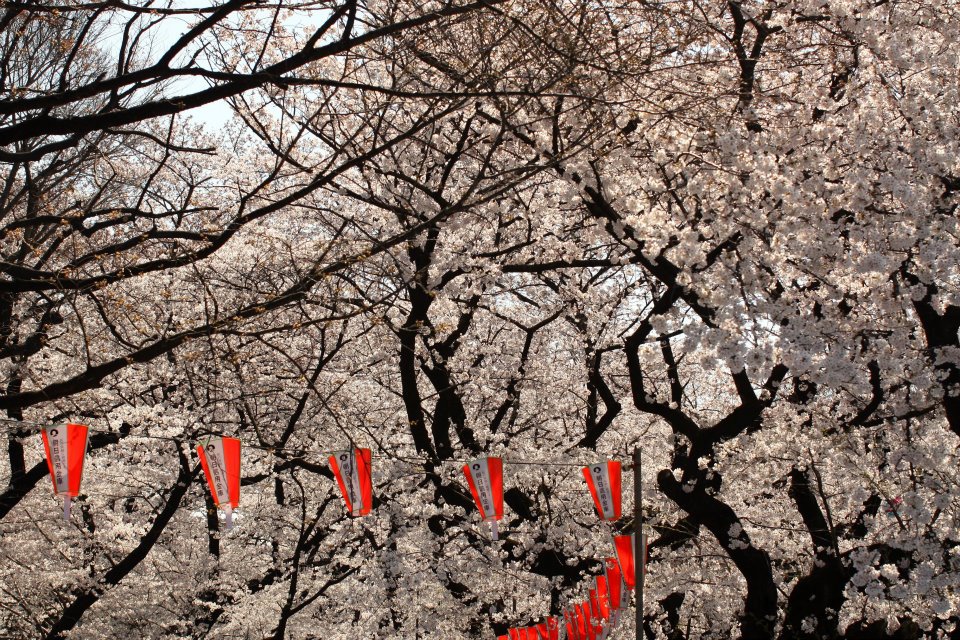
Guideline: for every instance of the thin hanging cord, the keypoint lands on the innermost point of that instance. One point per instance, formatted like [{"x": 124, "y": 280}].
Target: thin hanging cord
[{"x": 36, "y": 427}]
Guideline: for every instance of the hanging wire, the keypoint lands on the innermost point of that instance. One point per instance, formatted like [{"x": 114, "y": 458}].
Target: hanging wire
[
  {"x": 302, "y": 453},
  {"x": 36, "y": 427}
]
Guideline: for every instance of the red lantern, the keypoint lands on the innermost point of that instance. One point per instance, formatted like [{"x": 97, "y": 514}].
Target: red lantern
[
  {"x": 580, "y": 621},
  {"x": 595, "y": 619},
  {"x": 220, "y": 459},
  {"x": 603, "y": 598},
  {"x": 548, "y": 630},
  {"x": 352, "y": 470},
  {"x": 552, "y": 629},
  {"x": 485, "y": 477},
  {"x": 615, "y": 586},
  {"x": 624, "y": 546},
  {"x": 65, "y": 446},
  {"x": 588, "y": 631},
  {"x": 571, "y": 625},
  {"x": 603, "y": 480},
  {"x": 625, "y": 556}
]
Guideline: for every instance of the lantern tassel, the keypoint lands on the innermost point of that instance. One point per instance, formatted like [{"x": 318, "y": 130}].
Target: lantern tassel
[
  {"x": 228, "y": 513},
  {"x": 494, "y": 532},
  {"x": 66, "y": 507}
]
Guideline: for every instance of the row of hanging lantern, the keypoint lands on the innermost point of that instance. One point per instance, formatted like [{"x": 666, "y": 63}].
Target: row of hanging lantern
[
  {"x": 65, "y": 446},
  {"x": 591, "y": 619},
  {"x": 595, "y": 617},
  {"x": 547, "y": 630}
]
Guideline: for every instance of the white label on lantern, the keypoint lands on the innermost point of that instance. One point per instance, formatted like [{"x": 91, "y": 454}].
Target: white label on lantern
[
  {"x": 350, "y": 473},
  {"x": 600, "y": 473},
  {"x": 480, "y": 473},
  {"x": 218, "y": 470},
  {"x": 57, "y": 439}
]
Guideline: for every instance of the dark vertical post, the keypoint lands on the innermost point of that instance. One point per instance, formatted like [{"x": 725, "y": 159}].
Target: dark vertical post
[{"x": 639, "y": 552}]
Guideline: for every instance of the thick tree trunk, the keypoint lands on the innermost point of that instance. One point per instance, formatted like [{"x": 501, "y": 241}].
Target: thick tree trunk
[{"x": 759, "y": 617}]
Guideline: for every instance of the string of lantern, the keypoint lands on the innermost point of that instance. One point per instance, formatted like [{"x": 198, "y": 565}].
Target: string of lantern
[
  {"x": 65, "y": 447},
  {"x": 596, "y": 616},
  {"x": 37, "y": 427}
]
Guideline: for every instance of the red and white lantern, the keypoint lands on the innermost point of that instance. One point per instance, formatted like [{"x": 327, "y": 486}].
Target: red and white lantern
[
  {"x": 615, "y": 586},
  {"x": 553, "y": 628},
  {"x": 587, "y": 630},
  {"x": 573, "y": 623},
  {"x": 603, "y": 597},
  {"x": 220, "y": 459},
  {"x": 576, "y": 622},
  {"x": 603, "y": 480},
  {"x": 571, "y": 627},
  {"x": 548, "y": 630},
  {"x": 624, "y": 547},
  {"x": 485, "y": 477},
  {"x": 65, "y": 446},
  {"x": 594, "y": 621},
  {"x": 353, "y": 472},
  {"x": 600, "y": 606},
  {"x": 625, "y": 556}
]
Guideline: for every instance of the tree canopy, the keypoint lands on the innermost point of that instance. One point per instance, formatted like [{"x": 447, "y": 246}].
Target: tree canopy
[{"x": 722, "y": 231}]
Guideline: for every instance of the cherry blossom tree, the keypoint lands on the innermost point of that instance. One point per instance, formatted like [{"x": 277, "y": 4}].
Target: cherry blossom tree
[{"x": 723, "y": 232}]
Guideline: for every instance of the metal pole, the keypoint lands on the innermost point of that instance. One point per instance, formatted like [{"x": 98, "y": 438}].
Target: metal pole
[{"x": 639, "y": 552}]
